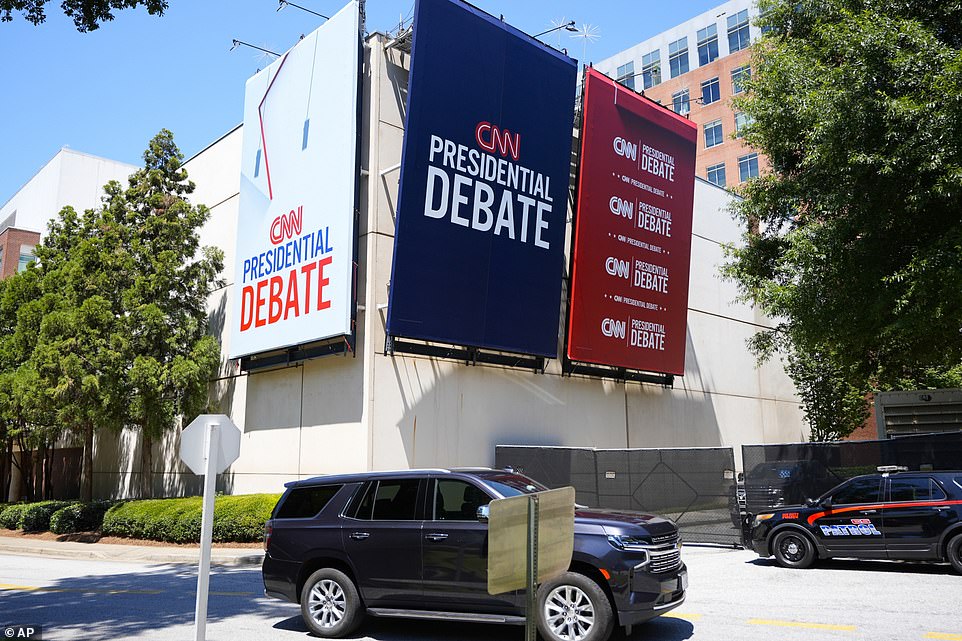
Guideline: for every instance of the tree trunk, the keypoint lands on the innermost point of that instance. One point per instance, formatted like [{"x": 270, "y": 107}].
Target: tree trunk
[
  {"x": 87, "y": 467},
  {"x": 24, "y": 464},
  {"x": 48, "y": 472},
  {"x": 6, "y": 475},
  {"x": 146, "y": 466}
]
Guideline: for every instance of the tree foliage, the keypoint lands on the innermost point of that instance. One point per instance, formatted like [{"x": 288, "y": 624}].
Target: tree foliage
[
  {"x": 108, "y": 328},
  {"x": 855, "y": 237},
  {"x": 87, "y": 15}
]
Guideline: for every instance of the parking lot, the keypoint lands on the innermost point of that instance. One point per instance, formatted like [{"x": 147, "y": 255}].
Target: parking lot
[{"x": 733, "y": 596}]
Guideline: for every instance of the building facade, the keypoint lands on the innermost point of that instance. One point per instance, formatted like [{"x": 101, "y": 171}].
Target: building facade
[
  {"x": 370, "y": 409},
  {"x": 696, "y": 69}
]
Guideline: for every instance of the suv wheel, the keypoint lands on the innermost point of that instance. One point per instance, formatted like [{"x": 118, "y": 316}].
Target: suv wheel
[
  {"x": 954, "y": 552},
  {"x": 793, "y": 550},
  {"x": 572, "y": 607},
  {"x": 330, "y": 604}
]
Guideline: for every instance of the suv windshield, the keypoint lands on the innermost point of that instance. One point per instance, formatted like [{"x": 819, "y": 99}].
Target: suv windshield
[{"x": 507, "y": 484}]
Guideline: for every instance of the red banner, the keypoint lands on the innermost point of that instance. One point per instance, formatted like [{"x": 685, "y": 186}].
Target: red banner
[{"x": 629, "y": 285}]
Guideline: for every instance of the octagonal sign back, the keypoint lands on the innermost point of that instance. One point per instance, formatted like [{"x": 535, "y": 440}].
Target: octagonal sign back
[{"x": 193, "y": 443}]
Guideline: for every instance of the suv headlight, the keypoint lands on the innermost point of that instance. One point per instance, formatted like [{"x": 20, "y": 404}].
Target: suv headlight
[
  {"x": 761, "y": 517},
  {"x": 632, "y": 544}
]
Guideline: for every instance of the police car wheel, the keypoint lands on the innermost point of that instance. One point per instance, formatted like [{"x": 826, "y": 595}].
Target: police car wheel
[
  {"x": 955, "y": 552},
  {"x": 793, "y": 550}
]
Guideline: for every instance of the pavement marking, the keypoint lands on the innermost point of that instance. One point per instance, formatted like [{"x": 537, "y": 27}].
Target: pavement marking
[
  {"x": 39, "y": 588},
  {"x": 682, "y": 615},
  {"x": 799, "y": 624},
  {"x": 944, "y": 636}
]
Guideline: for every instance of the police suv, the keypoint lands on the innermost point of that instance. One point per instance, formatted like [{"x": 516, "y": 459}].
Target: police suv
[{"x": 895, "y": 514}]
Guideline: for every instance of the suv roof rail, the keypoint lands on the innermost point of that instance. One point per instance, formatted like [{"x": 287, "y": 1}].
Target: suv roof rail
[{"x": 888, "y": 469}]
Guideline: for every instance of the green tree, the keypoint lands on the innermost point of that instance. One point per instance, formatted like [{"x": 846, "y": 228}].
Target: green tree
[
  {"x": 173, "y": 357},
  {"x": 87, "y": 15},
  {"x": 855, "y": 236}
]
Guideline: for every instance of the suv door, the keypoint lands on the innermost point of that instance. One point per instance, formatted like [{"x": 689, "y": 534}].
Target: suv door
[
  {"x": 851, "y": 526},
  {"x": 455, "y": 549},
  {"x": 914, "y": 517},
  {"x": 381, "y": 533}
]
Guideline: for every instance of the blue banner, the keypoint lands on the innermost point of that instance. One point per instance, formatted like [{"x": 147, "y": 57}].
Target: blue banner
[{"x": 479, "y": 247}]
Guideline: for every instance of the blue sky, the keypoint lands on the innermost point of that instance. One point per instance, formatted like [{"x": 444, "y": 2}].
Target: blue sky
[{"x": 109, "y": 91}]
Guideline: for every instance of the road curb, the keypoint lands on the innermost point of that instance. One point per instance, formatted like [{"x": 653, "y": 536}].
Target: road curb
[{"x": 241, "y": 557}]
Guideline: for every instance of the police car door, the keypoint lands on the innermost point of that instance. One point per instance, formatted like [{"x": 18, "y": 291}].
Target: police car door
[
  {"x": 851, "y": 527},
  {"x": 913, "y": 519}
]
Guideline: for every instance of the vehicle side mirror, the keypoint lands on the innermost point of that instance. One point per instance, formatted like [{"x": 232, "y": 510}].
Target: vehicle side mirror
[
  {"x": 810, "y": 502},
  {"x": 483, "y": 512},
  {"x": 826, "y": 503}
]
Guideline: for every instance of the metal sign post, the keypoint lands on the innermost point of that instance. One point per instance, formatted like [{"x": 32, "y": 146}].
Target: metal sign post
[
  {"x": 207, "y": 446},
  {"x": 531, "y": 609}
]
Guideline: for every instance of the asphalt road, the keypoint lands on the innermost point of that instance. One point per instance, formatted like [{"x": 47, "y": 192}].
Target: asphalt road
[{"x": 733, "y": 596}]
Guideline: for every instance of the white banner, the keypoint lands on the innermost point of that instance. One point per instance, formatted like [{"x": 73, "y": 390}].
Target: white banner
[{"x": 295, "y": 228}]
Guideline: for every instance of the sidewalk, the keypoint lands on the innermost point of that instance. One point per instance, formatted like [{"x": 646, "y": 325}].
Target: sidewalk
[{"x": 130, "y": 553}]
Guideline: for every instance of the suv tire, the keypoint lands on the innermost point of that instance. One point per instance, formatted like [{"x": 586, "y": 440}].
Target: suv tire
[
  {"x": 572, "y": 607},
  {"x": 792, "y": 549},
  {"x": 330, "y": 604},
  {"x": 954, "y": 552}
]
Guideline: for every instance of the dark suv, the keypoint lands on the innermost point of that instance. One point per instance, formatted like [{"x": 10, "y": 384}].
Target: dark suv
[
  {"x": 892, "y": 515},
  {"x": 415, "y": 543}
]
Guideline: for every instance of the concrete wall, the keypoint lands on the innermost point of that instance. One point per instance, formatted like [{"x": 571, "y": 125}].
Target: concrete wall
[
  {"x": 373, "y": 411},
  {"x": 69, "y": 178}
]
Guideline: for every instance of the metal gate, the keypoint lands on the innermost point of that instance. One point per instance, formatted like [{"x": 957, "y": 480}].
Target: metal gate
[{"x": 695, "y": 487}]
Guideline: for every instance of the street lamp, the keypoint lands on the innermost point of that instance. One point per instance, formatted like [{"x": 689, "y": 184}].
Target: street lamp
[{"x": 568, "y": 26}]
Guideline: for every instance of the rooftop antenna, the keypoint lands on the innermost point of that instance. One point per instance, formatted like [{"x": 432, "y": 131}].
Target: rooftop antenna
[
  {"x": 559, "y": 25},
  {"x": 284, "y": 3},
  {"x": 588, "y": 33}
]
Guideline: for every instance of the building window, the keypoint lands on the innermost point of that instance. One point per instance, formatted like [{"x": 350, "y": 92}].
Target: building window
[
  {"x": 678, "y": 57},
  {"x": 748, "y": 167},
  {"x": 626, "y": 74},
  {"x": 716, "y": 174},
  {"x": 651, "y": 68},
  {"x": 738, "y": 36},
  {"x": 713, "y": 134},
  {"x": 1, "y": 261},
  {"x": 680, "y": 102},
  {"x": 707, "y": 45},
  {"x": 741, "y": 121},
  {"x": 739, "y": 76},
  {"x": 710, "y": 91},
  {"x": 26, "y": 255}
]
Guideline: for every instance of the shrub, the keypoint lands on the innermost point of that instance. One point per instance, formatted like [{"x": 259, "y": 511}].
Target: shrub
[
  {"x": 236, "y": 518},
  {"x": 12, "y": 516},
  {"x": 36, "y": 516},
  {"x": 79, "y": 517}
]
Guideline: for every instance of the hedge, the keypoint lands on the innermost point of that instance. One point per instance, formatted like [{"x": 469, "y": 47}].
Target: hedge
[
  {"x": 12, "y": 516},
  {"x": 36, "y": 516},
  {"x": 79, "y": 517},
  {"x": 236, "y": 518}
]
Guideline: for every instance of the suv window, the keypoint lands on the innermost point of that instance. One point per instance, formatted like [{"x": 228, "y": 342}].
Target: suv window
[
  {"x": 858, "y": 491},
  {"x": 457, "y": 500},
  {"x": 392, "y": 500},
  {"x": 915, "y": 489},
  {"x": 306, "y": 502}
]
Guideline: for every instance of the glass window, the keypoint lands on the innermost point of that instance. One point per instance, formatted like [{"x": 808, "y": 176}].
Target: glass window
[
  {"x": 1, "y": 260},
  {"x": 651, "y": 68},
  {"x": 738, "y": 36},
  {"x": 306, "y": 502},
  {"x": 748, "y": 167},
  {"x": 741, "y": 121},
  {"x": 26, "y": 255},
  {"x": 915, "y": 489},
  {"x": 394, "y": 500},
  {"x": 457, "y": 500},
  {"x": 739, "y": 76},
  {"x": 678, "y": 57},
  {"x": 626, "y": 74},
  {"x": 680, "y": 102},
  {"x": 856, "y": 491},
  {"x": 713, "y": 134},
  {"x": 710, "y": 91},
  {"x": 707, "y": 45},
  {"x": 716, "y": 174}
]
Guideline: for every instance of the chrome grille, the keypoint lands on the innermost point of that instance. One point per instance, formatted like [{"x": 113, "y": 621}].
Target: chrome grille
[{"x": 663, "y": 553}]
